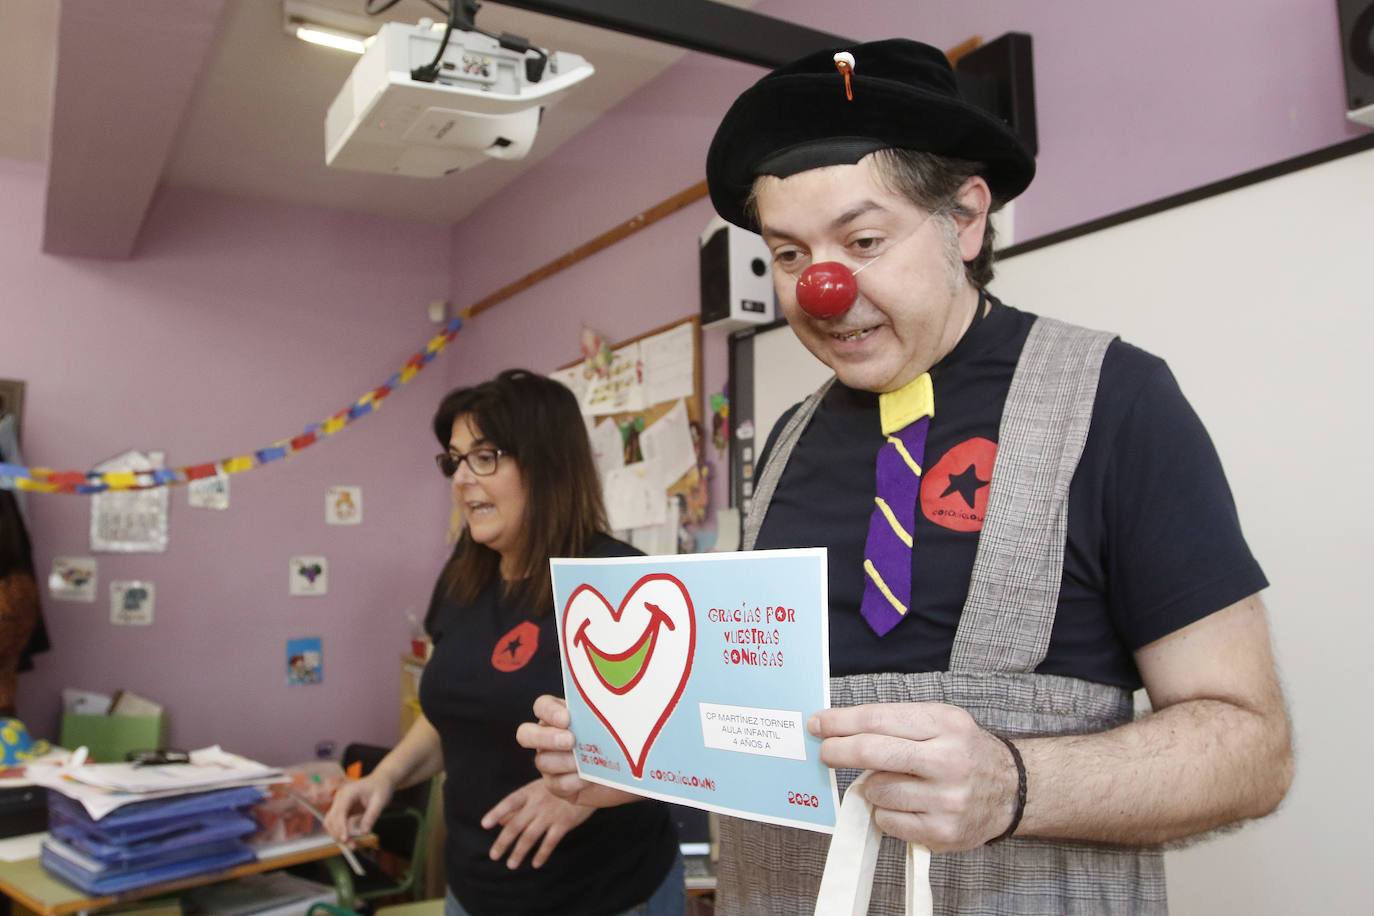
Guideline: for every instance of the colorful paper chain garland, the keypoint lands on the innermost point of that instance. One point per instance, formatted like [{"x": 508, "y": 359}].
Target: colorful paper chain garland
[{"x": 44, "y": 480}]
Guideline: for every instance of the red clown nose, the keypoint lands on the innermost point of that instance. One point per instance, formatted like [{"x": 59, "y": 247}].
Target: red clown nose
[{"x": 827, "y": 290}]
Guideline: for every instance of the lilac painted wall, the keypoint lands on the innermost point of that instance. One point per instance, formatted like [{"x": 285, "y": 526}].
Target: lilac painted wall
[
  {"x": 236, "y": 324},
  {"x": 239, "y": 322}
]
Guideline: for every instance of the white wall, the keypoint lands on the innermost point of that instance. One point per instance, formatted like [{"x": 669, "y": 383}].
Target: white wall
[{"x": 1259, "y": 300}]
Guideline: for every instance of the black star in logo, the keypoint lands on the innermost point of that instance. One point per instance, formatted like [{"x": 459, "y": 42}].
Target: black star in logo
[
  {"x": 966, "y": 484},
  {"x": 513, "y": 646}
]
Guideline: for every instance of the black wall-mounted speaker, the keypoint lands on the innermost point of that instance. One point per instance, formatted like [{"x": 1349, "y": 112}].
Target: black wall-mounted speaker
[
  {"x": 736, "y": 278},
  {"x": 1357, "y": 49},
  {"x": 999, "y": 78}
]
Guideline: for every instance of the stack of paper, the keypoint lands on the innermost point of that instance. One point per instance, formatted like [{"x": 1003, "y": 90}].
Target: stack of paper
[
  {"x": 104, "y": 787},
  {"x": 119, "y": 827}
]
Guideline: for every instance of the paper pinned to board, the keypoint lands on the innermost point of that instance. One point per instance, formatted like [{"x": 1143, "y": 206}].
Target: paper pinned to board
[
  {"x": 669, "y": 364},
  {"x": 608, "y": 446},
  {"x": 634, "y": 496},
  {"x": 621, "y": 390},
  {"x": 668, "y": 440}
]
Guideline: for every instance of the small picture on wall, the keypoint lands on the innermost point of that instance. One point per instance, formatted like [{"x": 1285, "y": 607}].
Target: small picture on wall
[
  {"x": 72, "y": 578},
  {"x": 309, "y": 575},
  {"x": 208, "y": 492},
  {"x": 304, "y": 661},
  {"x": 131, "y": 603},
  {"x": 343, "y": 506}
]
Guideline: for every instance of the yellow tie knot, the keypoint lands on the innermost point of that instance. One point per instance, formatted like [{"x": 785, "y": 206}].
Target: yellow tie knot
[{"x": 907, "y": 404}]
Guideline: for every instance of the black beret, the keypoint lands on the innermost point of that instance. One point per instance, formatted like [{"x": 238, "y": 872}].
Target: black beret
[{"x": 905, "y": 96}]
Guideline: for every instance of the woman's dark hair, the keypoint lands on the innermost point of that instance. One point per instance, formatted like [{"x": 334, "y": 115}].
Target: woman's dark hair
[
  {"x": 537, "y": 421},
  {"x": 16, "y": 553}
]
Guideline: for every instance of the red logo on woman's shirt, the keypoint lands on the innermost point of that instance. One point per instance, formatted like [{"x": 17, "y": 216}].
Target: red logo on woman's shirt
[{"x": 514, "y": 650}]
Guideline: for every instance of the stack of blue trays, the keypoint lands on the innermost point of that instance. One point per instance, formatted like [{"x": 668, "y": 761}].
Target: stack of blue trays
[{"x": 148, "y": 842}]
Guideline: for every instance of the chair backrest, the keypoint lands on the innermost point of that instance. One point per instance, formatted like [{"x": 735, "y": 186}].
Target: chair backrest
[
  {"x": 369, "y": 755},
  {"x": 402, "y": 828}
]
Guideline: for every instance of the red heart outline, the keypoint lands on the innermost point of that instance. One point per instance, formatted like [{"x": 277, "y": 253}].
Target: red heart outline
[{"x": 636, "y": 765}]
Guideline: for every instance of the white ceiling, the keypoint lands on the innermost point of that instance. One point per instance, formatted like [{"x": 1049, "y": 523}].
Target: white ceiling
[{"x": 119, "y": 99}]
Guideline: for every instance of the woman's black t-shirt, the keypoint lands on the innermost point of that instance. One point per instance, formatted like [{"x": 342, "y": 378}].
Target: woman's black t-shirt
[{"x": 491, "y": 660}]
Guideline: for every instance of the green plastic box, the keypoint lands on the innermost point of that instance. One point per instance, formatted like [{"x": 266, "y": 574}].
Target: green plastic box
[{"x": 109, "y": 738}]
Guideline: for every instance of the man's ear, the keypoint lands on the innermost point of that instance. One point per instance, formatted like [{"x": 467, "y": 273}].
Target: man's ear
[{"x": 975, "y": 197}]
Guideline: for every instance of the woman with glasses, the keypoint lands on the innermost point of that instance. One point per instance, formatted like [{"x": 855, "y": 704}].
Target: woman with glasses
[{"x": 524, "y": 488}]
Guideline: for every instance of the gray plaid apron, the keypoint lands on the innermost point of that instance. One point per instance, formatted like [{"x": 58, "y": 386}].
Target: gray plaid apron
[{"x": 1003, "y": 634}]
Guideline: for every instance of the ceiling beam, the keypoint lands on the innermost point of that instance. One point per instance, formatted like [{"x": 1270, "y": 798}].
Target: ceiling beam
[
  {"x": 125, "y": 75},
  {"x": 698, "y": 25}
]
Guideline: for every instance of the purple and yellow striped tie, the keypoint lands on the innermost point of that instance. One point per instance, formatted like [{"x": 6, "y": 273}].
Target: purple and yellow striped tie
[{"x": 906, "y": 415}]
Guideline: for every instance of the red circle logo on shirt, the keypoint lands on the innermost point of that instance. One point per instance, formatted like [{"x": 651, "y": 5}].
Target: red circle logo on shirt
[
  {"x": 514, "y": 650},
  {"x": 954, "y": 493}
]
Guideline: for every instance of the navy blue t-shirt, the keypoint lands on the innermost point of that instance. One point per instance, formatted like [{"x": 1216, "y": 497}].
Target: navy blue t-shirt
[
  {"x": 491, "y": 660},
  {"x": 1154, "y": 542}
]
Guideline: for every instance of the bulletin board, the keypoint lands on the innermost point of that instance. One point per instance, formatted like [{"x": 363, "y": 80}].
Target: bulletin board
[{"x": 666, "y": 359}]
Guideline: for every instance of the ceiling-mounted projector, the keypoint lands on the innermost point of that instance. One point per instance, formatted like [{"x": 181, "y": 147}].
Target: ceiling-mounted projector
[{"x": 482, "y": 103}]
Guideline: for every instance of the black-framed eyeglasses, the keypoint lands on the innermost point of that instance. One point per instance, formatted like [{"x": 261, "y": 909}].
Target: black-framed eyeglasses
[
  {"x": 482, "y": 461},
  {"x": 157, "y": 757}
]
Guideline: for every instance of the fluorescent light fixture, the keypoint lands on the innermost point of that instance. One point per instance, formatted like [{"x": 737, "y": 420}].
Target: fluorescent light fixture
[
  {"x": 330, "y": 39},
  {"x": 329, "y": 27}
]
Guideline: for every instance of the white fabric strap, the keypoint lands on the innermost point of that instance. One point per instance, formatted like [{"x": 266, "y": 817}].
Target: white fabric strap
[
  {"x": 919, "y": 900},
  {"x": 847, "y": 882}
]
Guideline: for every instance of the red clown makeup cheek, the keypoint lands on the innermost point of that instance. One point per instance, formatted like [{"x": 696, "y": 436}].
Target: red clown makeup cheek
[{"x": 827, "y": 290}]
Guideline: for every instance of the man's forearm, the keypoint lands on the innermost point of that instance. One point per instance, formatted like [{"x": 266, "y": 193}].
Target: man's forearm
[{"x": 1183, "y": 770}]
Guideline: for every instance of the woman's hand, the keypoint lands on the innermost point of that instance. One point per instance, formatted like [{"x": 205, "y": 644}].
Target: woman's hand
[
  {"x": 554, "y": 746},
  {"x": 371, "y": 793},
  {"x": 528, "y": 814}
]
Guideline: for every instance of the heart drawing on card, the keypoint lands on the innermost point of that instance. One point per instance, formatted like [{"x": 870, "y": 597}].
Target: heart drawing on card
[{"x": 631, "y": 663}]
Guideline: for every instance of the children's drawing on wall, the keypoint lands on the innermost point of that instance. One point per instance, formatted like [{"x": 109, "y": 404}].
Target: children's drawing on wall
[
  {"x": 130, "y": 521},
  {"x": 720, "y": 420},
  {"x": 668, "y": 441},
  {"x": 309, "y": 575},
  {"x": 697, "y": 497},
  {"x": 208, "y": 492},
  {"x": 73, "y": 578},
  {"x": 621, "y": 389},
  {"x": 629, "y": 437},
  {"x": 608, "y": 445},
  {"x": 668, "y": 361},
  {"x": 635, "y": 496},
  {"x": 343, "y": 506},
  {"x": 596, "y": 354},
  {"x": 304, "y": 661},
  {"x": 131, "y": 603}
]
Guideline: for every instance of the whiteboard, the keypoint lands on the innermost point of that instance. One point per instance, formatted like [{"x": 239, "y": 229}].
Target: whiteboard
[
  {"x": 770, "y": 371},
  {"x": 1259, "y": 298},
  {"x": 1258, "y": 293}
]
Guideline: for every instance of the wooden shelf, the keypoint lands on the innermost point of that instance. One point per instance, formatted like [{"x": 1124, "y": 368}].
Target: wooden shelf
[{"x": 28, "y": 884}]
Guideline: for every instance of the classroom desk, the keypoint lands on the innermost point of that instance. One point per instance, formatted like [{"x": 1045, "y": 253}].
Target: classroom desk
[{"x": 26, "y": 883}]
